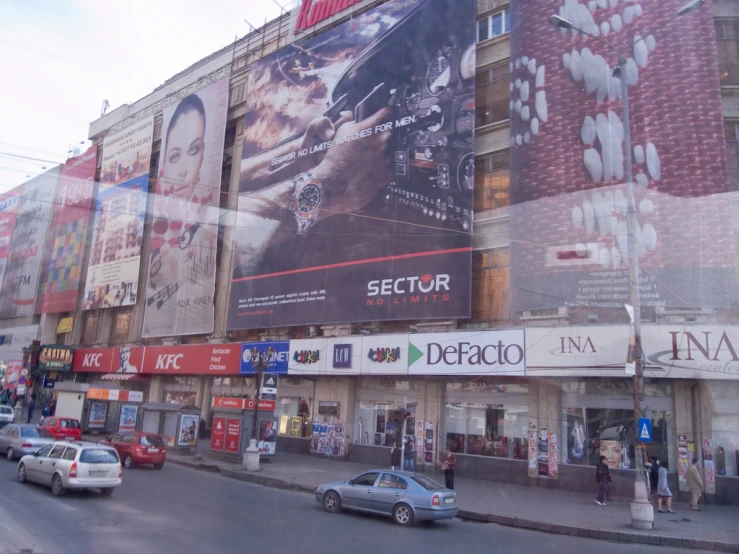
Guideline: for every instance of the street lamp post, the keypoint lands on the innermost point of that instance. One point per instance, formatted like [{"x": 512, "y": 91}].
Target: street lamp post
[
  {"x": 260, "y": 362},
  {"x": 642, "y": 511}
]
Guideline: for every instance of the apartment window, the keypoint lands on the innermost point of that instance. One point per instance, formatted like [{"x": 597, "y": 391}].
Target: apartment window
[
  {"x": 90, "y": 329},
  {"x": 492, "y": 181},
  {"x": 727, "y": 36},
  {"x": 491, "y": 286},
  {"x": 121, "y": 322},
  {"x": 492, "y": 95},
  {"x": 494, "y": 25},
  {"x": 731, "y": 131}
]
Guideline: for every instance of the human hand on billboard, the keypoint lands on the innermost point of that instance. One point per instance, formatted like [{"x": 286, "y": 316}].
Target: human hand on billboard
[
  {"x": 322, "y": 129},
  {"x": 355, "y": 171}
]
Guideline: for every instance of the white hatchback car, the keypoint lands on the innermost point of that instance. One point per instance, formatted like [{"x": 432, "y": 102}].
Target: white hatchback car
[
  {"x": 73, "y": 465},
  {"x": 6, "y": 415}
]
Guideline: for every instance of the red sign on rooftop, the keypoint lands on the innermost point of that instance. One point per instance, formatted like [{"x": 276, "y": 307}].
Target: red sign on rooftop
[{"x": 312, "y": 14}]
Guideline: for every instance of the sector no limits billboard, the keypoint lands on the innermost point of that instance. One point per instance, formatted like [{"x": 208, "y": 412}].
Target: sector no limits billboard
[{"x": 357, "y": 172}]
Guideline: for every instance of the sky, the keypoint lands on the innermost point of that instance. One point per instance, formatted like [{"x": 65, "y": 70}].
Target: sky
[{"x": 61, "y": 58}]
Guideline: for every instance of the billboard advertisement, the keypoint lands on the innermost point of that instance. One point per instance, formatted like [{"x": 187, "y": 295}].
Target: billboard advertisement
[
  {"x": 184, "y": 236},
  {"x": 9, "y": 202},
  {"x": 61, "y": 270},
  {"x": 569, "y": 236},
  {"x": 357, "y": 172},
  {"x": 27, "y": 246},
  {"x": 127, "y": 153},
  {"x": 115, "y": 252}
]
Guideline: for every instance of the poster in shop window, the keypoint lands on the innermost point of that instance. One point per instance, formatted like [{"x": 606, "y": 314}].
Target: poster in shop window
[
  {"x": 543, "y": 453},
  {"x": 357, "y": 172},
  {"x": 184, "y": 233},
  {"x": 709, "y": 471},
  {"x": 98, "y": 413},
  {"x": 682, "y": 458},
  {"x": 188, "y": 430},
  {"x": 218, "y": 434},
  {"x": 127, "y": 420},
  {"x": 267, "y": 436},
  {"x": 233, "y": 436}
]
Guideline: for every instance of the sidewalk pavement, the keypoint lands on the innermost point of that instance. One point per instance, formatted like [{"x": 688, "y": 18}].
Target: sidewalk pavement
[{"x": 540, "y": 509}]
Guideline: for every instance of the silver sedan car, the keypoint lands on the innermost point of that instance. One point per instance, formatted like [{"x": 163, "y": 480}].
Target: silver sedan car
[
  {"x": 73, "y": 465},
  {"x": 19, "y": 439},
  {"x": 407, "y": 497}
]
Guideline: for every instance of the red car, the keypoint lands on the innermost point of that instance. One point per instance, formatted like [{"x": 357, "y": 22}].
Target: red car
[
  {"x": 62, "y": 428},
  {"x": 139, "y": 448}
]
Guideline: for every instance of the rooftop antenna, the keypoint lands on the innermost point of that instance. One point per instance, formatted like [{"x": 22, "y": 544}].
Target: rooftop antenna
[
  {"x": 254, "y": 29},
  {"x": 106, "y": 105}
]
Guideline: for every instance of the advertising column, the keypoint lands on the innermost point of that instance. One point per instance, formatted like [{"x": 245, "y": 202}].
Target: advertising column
[
  {"x": 357, "y": 173},
  {"x": 569, "y": 237},
  {"x": 27, "y": 246},
  {"x": 184, "y": 236},
  {"x": 61, "y": 270},
  {"x": 115, "y": 252}
]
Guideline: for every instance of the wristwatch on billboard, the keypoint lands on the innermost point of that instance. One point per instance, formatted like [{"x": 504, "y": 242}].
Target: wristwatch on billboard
[{"x": 306, "y": 200}]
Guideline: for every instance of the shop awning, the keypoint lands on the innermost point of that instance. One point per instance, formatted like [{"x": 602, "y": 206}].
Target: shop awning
[{"x": 124, "y": 377}]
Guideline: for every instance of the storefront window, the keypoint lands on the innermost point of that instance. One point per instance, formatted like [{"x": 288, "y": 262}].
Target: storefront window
[
  {"x": 726, "y": 443},
  {"x": 594, "y": 432},
  {"x": 235, "y": 387},
  {"x": 292, "y": 413},
  {"x": 381, "y": 423},
  {"x": 487, "y": 429}
]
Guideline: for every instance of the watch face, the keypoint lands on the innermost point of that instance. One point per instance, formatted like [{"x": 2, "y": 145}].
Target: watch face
[{"x": 308, "y": 200}]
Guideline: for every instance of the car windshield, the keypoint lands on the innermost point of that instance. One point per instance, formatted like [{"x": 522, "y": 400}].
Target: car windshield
[
  {"x": 150, "y": 440},
  {"x": 34, "y": 433},
  {"x": 71, "y": 423},
  {"x": 426, "y": 483},
  {"x": 98, "y": 456}
]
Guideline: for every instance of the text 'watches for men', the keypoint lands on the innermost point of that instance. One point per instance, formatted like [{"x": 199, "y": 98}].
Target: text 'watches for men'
[{"x": 306, "y": 200}]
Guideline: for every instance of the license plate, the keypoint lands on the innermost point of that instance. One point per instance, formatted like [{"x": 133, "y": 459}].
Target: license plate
[
  {"x": 449, "y": 500},
  {"x": 99, "y": 473},
  {"x": 153, "y": 450}
]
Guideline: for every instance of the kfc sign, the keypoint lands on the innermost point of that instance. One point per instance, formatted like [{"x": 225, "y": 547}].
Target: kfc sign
[
  {"x": 166, "y": 362},
  {"x": 311, "y": 14},
  {"x": 198, "y": 359}
]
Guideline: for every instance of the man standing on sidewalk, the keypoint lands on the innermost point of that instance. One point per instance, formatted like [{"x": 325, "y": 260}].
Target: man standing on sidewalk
[
  {"x": 695, "y": 484},
  {"x": 602, "y": 477},
  {"x": 396, "y": 457},
  {"x": 449, "y": 465}
]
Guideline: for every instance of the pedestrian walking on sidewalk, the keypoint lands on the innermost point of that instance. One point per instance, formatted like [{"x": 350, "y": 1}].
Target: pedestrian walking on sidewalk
[
  {"x": 31, "y": 408},
  {"x": 410, "y": 462},
  {"x": 695, "y": 484},
  {"x": 396, "y": 456},
  {"x": 603, "y": 478},
  {"x": 663, "y": 491},
  {"x": 449, "y": 465},
  {"x": 653, "y": 477}
]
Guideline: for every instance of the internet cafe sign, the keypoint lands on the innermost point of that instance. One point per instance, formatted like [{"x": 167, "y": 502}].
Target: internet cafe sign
[
  {"x": 471, "y": 353},
  {"x": 678, "y": 352}
]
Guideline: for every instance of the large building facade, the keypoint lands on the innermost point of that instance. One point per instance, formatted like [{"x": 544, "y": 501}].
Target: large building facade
[{"x": 420, "y": 211}]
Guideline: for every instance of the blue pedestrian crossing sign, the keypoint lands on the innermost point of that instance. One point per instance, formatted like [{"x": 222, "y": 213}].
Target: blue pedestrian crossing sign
[{"x": 645, "y": 429}]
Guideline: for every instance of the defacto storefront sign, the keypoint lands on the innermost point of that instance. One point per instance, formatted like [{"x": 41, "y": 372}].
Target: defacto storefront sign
[
  {"x": 473, "y": 353},
  {"x": 677, "y": 352},
  {"x": 198, "y": 359}
]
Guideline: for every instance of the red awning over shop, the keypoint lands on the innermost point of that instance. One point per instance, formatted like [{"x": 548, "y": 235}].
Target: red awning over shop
[{"x": 124, "y": 377}]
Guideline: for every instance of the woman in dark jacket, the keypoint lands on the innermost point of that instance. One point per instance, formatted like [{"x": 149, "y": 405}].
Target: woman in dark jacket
[
  {"x": 602, "y": 477},
  {"x": 396, "y": 455}
]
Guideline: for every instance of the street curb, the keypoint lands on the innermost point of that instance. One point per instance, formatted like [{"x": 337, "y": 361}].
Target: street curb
[{"x": 508, "y": 521}]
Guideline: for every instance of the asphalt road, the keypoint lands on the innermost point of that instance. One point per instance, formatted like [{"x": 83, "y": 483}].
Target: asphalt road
[{"x": 182, "y": 510}]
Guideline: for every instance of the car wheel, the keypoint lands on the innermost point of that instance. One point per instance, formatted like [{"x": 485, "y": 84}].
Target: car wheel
[
  {"x": 22, "y": 477},
  {"x": 331, "y": 502},
  {"x": 107, "y": 492},
  {"x": 57, "y": 487},
  {"x": 403, "y": 515},
  {"x": 9, "y": 454},
  {"x": 158, "y": 466},
  {"x": 128, "y": 462}
]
